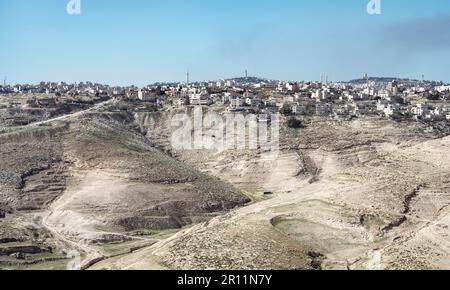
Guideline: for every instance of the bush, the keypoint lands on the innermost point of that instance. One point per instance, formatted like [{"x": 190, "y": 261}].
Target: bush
[
  {"x": 295, "y": 123},
  {"x": 433, "y": 97},
  {"x": 286, "y": 110}
]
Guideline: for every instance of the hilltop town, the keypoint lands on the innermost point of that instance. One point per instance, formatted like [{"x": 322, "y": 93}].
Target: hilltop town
[{"x": 397, "y": 99}]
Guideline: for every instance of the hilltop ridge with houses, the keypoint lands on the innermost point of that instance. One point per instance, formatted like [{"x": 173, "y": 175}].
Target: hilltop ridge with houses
[{"x": 398, "y": 99}]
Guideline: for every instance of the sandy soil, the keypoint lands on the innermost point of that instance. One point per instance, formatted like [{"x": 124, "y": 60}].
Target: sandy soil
[
  {"x": 358, "y": 195},
  {"x": 385, "y": 212}
]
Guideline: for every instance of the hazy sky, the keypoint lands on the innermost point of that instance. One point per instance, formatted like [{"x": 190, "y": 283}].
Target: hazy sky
[{"x": 144, "y": 41}]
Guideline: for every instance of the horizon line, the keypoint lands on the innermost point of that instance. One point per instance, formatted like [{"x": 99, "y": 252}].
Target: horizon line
[{"x": 221, "y": 79}]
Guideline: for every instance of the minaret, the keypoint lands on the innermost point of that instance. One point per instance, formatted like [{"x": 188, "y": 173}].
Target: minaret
[
  {"x": 187, "y": 77},
  {"x": 246, "y": 74}
]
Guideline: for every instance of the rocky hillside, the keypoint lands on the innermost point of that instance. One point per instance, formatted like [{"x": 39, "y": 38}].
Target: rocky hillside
[{"x": 95, "y": 178}]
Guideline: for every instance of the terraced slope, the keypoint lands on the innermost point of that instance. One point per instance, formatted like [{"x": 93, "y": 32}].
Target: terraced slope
[
  {"x": 362, "y": 195},
  {"x": 93, "y": 179}
]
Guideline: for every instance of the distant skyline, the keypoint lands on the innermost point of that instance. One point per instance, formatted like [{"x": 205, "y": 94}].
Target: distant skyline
[{"x": 141, "y": 42}]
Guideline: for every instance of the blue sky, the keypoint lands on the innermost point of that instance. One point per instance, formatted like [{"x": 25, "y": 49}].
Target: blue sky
[{"x": 145, "y": 41}]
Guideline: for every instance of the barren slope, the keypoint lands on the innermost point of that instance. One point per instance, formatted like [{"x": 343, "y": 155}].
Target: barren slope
[
  {"x": 369, "y": 195},
  {"x": 92, "y": 178}
]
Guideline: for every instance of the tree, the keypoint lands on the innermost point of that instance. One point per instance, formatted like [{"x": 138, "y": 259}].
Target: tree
[
  {"x": 286, "y": 110},
  {"x": 295, "y": 123},
  {"x": 433, "y": 97}
]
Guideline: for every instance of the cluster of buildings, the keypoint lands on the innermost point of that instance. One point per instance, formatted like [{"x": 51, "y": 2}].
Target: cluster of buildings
[
  {"x": 392, "y": 98},
  {"x": 61, "y": 88}
]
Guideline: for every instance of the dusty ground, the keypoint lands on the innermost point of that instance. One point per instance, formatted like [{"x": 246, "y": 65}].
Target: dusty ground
[
  {"x": 89, "y": 181},
  {"x": 362, "y": 194}
]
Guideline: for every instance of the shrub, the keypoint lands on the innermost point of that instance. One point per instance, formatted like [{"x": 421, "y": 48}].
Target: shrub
[{"x": 295, "y": 123}]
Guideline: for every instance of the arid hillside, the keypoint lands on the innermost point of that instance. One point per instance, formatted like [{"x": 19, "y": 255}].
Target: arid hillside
[
  {"x": 362, "y": 194},
  {"x": 365, "y": 194},
  {"x": 94, "y": 179}
]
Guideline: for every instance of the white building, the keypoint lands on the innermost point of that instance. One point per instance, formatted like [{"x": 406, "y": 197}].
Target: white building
[
  {"x": 254, "y": 102},
  {"x": 319, "y": 95},
  {"x": 323, "y": 108},
  {"x": 384, "y": 94},
  {"x": 369, "y": 91},
  {"x": 387, "y": 108},
  {"x": 289, "y": 99},
  {"x": 146, "y": 96},
  {"x": 200, "y": 99},
  {"x": 229, "y": 83},
  {"x": 443, "y": 89},
  {"x": 236, "y": 103},
  {"x": 421, "y": 110},
  {"x": 390, "y": 110}
]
